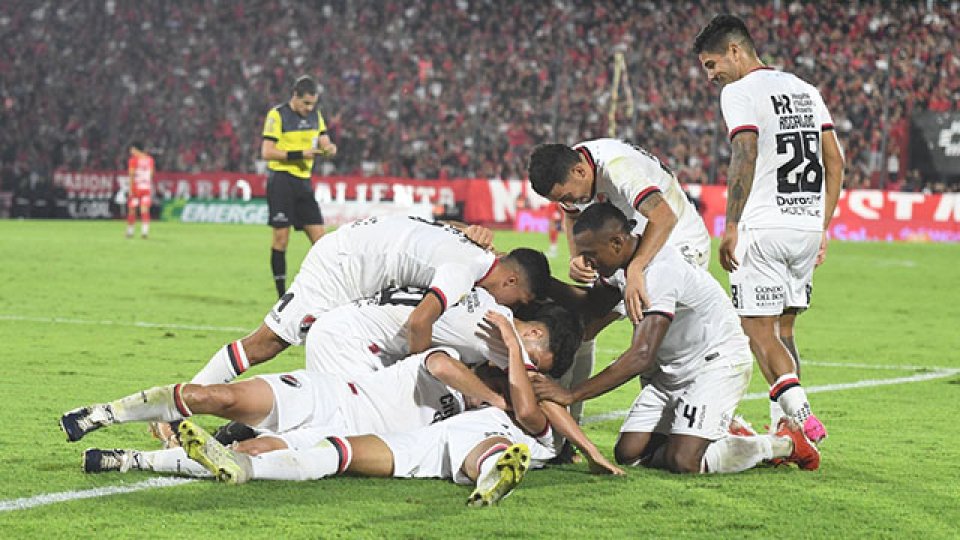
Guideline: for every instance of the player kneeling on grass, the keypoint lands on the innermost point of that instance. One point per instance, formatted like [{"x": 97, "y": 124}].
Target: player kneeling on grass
[{"x": 692, "y": 356}]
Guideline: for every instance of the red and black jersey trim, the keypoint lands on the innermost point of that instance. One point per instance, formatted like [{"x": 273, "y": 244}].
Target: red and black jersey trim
[
  {"x": 486, "y": 274},
  {"x": 666, "y": 314},
  {"x": 778, "y": 389},
  {"x": 543, "y": 433},
  {"x": 826, "y": 127},
  {"x": 642, "y": 196},
  {"x": 440, "y": 296},
  {"x": 740, "y": 129},
  {"x": 760, "y": 68}
]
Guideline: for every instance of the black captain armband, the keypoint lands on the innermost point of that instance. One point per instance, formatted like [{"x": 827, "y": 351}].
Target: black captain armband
[{"x": 294, "y": 155}]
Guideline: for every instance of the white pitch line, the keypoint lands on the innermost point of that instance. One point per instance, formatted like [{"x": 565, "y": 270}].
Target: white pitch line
[
  {"x": 64, "y": 496},
  {"x": 137, "y": 324},
  {"x": 852, "y": 365},
  {"x": 866, "y": 383}
]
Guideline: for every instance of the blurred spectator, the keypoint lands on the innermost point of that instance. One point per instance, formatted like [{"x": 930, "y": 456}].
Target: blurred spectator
[{"x": 443, "y": 88}]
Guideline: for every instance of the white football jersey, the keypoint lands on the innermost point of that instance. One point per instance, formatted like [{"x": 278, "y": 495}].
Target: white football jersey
[
  {"x": 402, "y": 397},
  {"x": 380, "y": 322},
  {"x": 703, "y": 320},
  {"x": 381, "y": 252},
  {"x": 626, "y": 175},
  {"x": 789, "y": 117}
]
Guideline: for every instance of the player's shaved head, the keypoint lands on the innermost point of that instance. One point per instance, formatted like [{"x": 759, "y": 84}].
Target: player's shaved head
[
  {"x": 602, "y": 217},
  {"x": 722, "y": 30},
  {"x": 549, "y": 165}
]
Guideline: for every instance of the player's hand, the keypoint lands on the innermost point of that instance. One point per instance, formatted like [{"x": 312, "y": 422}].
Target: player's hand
[
  {"x": 504, "y": 327},
  {"x": 481, "y": 236},
  {"x": 547, "y": 389},
  {"x": 580, "y": 271},
  {"x": 600, "y": 465},
  {"x": 728, "y": 245},
  {"x": 635, "y": 296},
  {"x": 822, "y": 252},
  {"x": 259, "y": 445}
]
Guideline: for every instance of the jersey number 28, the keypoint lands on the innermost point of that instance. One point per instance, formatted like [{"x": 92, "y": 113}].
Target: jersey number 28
[{"x": 803, "y": 172}]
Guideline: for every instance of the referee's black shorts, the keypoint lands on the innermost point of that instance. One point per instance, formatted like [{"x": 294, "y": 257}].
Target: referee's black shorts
[{"x": 290, "y": 201}]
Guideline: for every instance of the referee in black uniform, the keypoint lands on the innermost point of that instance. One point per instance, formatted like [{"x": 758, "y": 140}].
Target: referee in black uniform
[{"x": 294, "y": 133}]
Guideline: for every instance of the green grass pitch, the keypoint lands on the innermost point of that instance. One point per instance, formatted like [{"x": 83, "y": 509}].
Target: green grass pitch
[{"x": 133, "y": 314}]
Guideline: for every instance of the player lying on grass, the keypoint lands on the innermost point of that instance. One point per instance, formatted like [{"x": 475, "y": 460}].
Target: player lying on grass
[
  {"x": 429, "y": 452},
  {"x": 378, "y": 401},
  {"x": 691, "y": 354},
  {"x": 487, "y": 447}
]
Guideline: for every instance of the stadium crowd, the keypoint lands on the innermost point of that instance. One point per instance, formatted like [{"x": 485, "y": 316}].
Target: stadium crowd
[{"x": 445, "y": 88}]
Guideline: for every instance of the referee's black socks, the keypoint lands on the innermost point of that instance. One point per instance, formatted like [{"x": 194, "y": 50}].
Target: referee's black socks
[{"x": 278, "y": 263}]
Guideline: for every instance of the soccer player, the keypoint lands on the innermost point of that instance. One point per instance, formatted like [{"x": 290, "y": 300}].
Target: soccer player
[
  {"x": 361, "y": 258},
  {"x": 141, "y": 169},
  {"x": 294, "y": 133},
  {"x": 554, "y": 226},
  {"x": 691, "y": 354},
  {"x": 783, "y": 182},
  {"x": 486, "y": 447},
  {"x": 642, "y": 187}
]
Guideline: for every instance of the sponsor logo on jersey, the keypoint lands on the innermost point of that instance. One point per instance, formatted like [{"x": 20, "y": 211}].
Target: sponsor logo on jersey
[
  {"x": 768, "y": 294},
  {"x": 290, "y": 380},
  {"x": 306, "y": 323}
]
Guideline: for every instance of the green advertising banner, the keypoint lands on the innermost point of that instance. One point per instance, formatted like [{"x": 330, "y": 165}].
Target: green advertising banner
[{"x": 252, "y": 212}]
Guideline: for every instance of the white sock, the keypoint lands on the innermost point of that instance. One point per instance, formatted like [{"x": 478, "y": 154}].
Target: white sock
[
  {"x": 226, "y": 365},
  {"x": 144, "y": 229},
  {"x": 488, "y": 461},
  {"x": 159, "y": 404},
  {"x": 328, "y": 458},
  {"x": 776, "y": 413},
  {"x": 734, "y": 454},
  {"x": 172, "y": 460},
  {"x": 786, "y": 391}
]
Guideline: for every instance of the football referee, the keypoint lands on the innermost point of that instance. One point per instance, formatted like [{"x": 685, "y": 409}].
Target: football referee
[{"x": 294, "y": 133}]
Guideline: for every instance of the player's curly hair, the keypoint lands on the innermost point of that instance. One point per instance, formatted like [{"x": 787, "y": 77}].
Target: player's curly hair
[
  {"x": 723, "y": 29},
  {"x": 566, "y": 334},
  {"x": 534, "y": 266},
  {"x": 549, "y": 165}
]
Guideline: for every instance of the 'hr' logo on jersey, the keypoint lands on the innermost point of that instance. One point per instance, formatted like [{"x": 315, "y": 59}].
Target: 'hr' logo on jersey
[{"x": 781, "y": 104}]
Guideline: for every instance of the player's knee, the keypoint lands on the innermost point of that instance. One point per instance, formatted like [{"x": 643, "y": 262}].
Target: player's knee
[{"x": 627, "y": 452}]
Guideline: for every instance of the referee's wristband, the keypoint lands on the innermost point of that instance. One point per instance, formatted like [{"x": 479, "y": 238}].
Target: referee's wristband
[{"x": 294, "y": 155}]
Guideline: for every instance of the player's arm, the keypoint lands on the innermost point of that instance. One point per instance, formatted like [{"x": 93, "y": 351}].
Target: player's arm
[
  {"x": 660, "y": 223},
  {"x": 479, "y": 235},
  {"x": 325, "y": 146},
  {"x": 454, "y": 374},
  {"x": 589, "y": 302},
  {"x": 526, "y": 409},
  {"x": 270, "y": 152},
  {"x": 639, "y": 358},
  {"x": 559, "y": 417},
  {"x": 833, "y": 163},
  {"x": 421, "y": 319},
  {"x": 743, "y": 163}
]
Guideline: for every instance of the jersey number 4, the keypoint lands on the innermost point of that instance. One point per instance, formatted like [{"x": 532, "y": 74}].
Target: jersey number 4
[{"x": 803, "y": 173}]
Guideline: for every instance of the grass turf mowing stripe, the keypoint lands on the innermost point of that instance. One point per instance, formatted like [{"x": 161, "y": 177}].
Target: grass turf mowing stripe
[{"x": 137, "y": 324}]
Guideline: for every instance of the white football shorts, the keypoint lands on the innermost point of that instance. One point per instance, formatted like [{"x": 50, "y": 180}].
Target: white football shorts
[
  {"x": 701, "y": 408},
  {"x": 775, "y": 272},
  {"x": 439, "y": 450}
]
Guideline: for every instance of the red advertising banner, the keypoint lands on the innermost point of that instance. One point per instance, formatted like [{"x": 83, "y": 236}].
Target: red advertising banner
[
  {"x": 861, "y": 214},
  {"x": 864, "y": 214}
]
